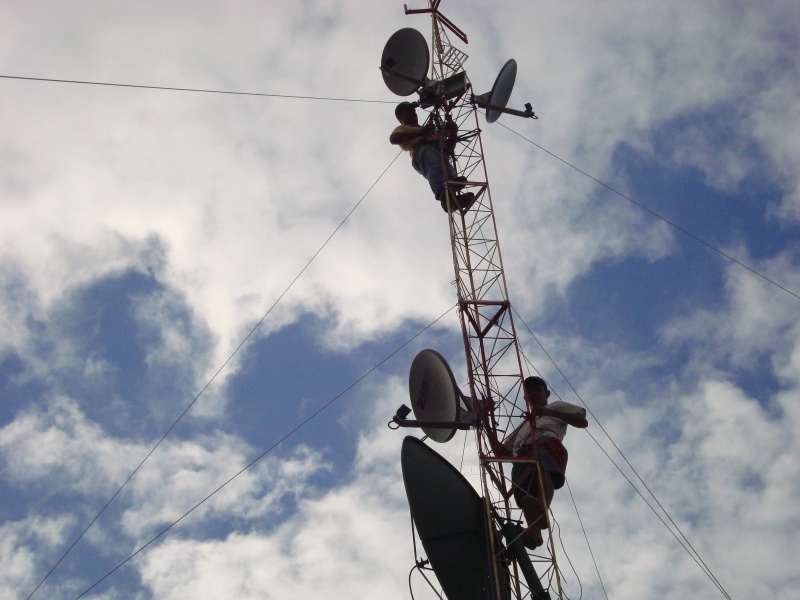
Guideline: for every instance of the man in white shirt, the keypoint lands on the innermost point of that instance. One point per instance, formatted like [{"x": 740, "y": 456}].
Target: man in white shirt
[{"x": 550, "y": 427}]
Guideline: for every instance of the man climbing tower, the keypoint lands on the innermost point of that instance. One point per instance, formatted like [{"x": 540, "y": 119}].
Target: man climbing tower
[
  {"x": 422, "y": 142},
  {"x": 550, "y": 427}
]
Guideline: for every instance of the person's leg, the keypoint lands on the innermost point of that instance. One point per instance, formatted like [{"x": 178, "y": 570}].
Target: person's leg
[
  {"x": 525, "y": 481},
  {"x": 428, "y": 163},
  {"x": 531, "y": 503}
]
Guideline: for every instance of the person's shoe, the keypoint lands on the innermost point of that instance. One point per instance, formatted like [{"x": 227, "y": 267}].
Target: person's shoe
[
  {"x": 461, "y": 202},
  {"x": 532, "y": 538},
  {"x": 458, "y": 183},
  {"x": 465, "y": 201}
]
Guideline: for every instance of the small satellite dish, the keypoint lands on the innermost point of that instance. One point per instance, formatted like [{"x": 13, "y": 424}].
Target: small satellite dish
[
  {"x": 434, "y": 394},
  {"x": 495, "y": 100},
  {"x": 450, "y": 519},
  {"x": 405, "y": 62},
  {"x": 501, "y": 91}
]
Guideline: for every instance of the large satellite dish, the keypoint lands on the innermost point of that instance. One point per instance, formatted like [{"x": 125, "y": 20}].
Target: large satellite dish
[
  {"x": 434, "y": 393},
  {"x": 449, "y": 517},
  {"x": 405, "y": 62},
  {"x": 451, "y": 521},
  {"x": 501, "y": 91}
]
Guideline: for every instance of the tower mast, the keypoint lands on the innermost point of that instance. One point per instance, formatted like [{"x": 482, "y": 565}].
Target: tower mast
[{"x": 492, "y": 352}]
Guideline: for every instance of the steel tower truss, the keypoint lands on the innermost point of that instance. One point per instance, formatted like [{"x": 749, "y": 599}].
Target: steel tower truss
[{"x": 492, "y": 352}]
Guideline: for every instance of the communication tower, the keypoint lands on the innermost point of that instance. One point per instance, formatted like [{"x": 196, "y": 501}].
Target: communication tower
[{"x": 496, "y": 404}]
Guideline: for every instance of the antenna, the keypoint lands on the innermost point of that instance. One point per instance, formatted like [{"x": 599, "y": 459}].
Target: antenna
[
  {"x": 405, "y": 61},
  {"x": 450, "y": 519},
  {"x": 451, "y": 522},
  {"x": 496, "y": 99},
  {"x": 501, "y": 90},
  {"x": 438, "y": 404},
  {"x": 404, "y": 65},
  {"x": 493, "y": 358}
]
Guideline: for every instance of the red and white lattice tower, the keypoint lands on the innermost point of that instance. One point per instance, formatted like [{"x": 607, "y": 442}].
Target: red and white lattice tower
[{"x": 493, "y": 357}]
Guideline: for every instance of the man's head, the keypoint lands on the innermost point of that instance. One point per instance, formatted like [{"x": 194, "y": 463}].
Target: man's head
[
  {"x": 406, "y": 113},
  {"x": 536, "y": 390}
]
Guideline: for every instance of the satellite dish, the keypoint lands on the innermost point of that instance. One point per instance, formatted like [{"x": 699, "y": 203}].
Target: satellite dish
[
  {"x": 434, "y": 394},
  {"x": 405, "y": 61},
  {"x": 501, "y": 91},
  {"x": 495, "y": 100},
  {"x": 450, "y": 519}
]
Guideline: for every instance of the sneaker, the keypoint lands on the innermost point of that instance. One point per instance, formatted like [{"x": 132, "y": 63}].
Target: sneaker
[
  {"x": 465, "y": 201},
  {"x": 532, "y": 538},
  {"x": 461, "y": 202},
  {"x": 458, "y": 183}
]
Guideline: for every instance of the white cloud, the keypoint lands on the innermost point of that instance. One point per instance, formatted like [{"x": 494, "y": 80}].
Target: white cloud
[
  {"x": 241, "y": 192},
  {"x": 186, "y": 472},
  {"x": 758, "y": 320},
  {"x": 20, "y": 543},
  {"x": 352, "y": 540},
  {"x": 223, "y": 200},
  {"x": 60, "y": 448}
]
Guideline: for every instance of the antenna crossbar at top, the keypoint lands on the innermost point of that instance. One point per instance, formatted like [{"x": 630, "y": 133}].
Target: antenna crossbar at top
[{"x": 433, "y": 9}]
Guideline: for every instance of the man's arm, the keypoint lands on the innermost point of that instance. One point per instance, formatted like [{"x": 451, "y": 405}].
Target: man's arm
[
  {"x": 498, "y": 447},
  {"x": 403, "y": 137},
  {"x": 449, "y": 129},
  {"x": 576, "y": 419}
]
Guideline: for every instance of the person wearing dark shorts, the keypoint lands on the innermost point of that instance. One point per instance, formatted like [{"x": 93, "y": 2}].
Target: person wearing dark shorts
[{"x": 550, "y": 427}]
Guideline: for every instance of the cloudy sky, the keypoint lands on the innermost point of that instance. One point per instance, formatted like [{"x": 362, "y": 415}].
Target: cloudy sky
[{"x": 145, "y": 233}]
